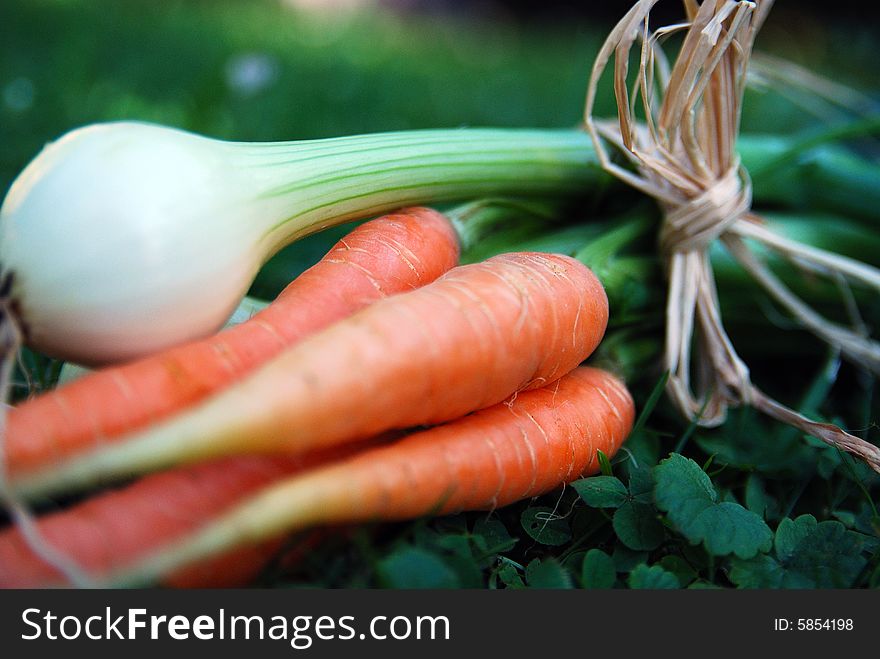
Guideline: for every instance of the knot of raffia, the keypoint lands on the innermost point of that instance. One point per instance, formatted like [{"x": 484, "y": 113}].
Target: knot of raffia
[
  {"x": 693, "y": 223},
  {"x": 683, "y": 153}
]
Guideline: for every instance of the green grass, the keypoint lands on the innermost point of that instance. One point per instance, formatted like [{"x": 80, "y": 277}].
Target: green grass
[{"x": 766, "y": 507}]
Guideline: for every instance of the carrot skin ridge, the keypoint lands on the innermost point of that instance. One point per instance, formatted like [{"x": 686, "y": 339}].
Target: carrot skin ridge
[
  {"x": 511, "y": 451},
  {"x": 463, "y": 342},
  {"x": 394, "y": 253}
]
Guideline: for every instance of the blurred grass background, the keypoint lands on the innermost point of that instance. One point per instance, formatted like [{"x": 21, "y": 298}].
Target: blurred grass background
[{"x": 291, "y": 69}]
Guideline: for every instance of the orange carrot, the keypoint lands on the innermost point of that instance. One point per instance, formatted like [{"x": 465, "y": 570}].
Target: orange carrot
[
  {"x": 394, "y": 253},
  {"x": 464, "y": 342},
  {"x": 506, "y": 453},
  {"x": 235, "y": 569},
  {"x": 517, "y": 449},
  {"x": 157, "y": 509}
]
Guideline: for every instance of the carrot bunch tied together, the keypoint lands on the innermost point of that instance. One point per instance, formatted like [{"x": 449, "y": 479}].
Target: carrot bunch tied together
[{"x": 385, "y": 383}]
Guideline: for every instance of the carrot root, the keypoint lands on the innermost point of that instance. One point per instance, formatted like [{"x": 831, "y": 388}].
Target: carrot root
[{"x": 514, "y": 450}]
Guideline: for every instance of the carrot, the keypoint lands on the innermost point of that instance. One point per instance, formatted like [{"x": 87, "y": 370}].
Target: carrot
[
  {"x": 155, "y": 510},
  {"x": 506, "y": 453},
  {"x": 464, "y": 342},
  {"x": 235, "y": 569},
  {"x": 517, "y": 449},
  {"x": 388, "y": 255}
]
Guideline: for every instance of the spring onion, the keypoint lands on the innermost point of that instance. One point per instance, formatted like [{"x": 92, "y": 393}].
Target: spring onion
[{"x": 120, "y": 239}]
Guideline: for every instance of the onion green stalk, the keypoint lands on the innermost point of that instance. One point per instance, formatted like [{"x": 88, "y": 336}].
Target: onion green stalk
[
  {"x": 824, "y": 177},
  {"x": 124, "y": 238}
]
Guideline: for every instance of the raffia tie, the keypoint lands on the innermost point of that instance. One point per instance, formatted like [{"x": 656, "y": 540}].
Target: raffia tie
[
  {"x": 687, "y": 232},
  {"x": 683, "y": 154},
  {"x": 693, "y": 224}
]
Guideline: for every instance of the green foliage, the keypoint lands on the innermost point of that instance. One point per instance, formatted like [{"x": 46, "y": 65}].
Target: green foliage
[
  {"x": 547, "y": 573},
  {"x": 686, "y": 494},
  {"x": 412, "y": 567},
  {"x": 490, "y": 536},
  {"x": 757, "y": 499},
  {"x": 653, "y": 577},
  {"x": 604, "y": 463},
  {"x": 602, "y": 491},
  {"x": 545, "y": 526},
  {"x": 807, "y": 554},
  {"x": 598, "y": 570},
  {"x": 637, "y": 526},
  {"x": 635, "y": 520},
  {"x": 678, "y": 565}
]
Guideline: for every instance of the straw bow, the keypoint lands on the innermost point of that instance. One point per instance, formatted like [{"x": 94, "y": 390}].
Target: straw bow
[{"x": 683, "y": 153}]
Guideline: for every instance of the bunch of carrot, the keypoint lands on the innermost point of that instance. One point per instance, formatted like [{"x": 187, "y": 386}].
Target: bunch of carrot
[{"x": 385, "y": 383}]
